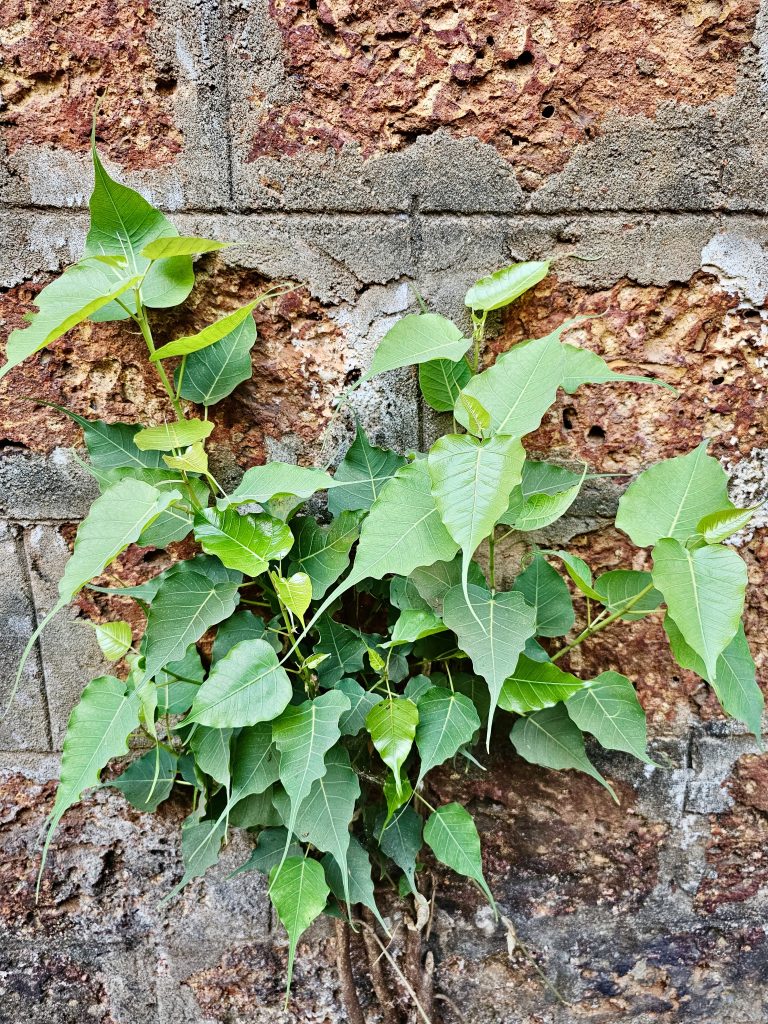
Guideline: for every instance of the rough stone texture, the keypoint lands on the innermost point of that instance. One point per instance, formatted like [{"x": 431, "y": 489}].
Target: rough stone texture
[{"x": 356, "y": 154}]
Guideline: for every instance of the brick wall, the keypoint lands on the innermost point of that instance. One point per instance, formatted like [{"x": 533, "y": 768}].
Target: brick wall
[{"x": 357, "y": 149}]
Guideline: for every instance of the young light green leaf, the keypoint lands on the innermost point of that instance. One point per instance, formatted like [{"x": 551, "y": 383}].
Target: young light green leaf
[
  {"x": 392, "y": 727},
  {"x": 116, "y": 519},
  {"x": 519, "y": 388},
  {"x": 492, "y": 630},
  {"x": 718, "y": 526},
  {"x": 200, "y": 849},
  {"x": 361, "y": 702},
  {"x": 186, "y": 604},
  {"x": 295, "y": 592},
  {"x": 322, "y": 552},
  {"x": 148, "y": 780},
  {"x": 704, "y": 593},
  {"x": 471, "y": 481},
  {"x": 735, "y": 685},
  {"x": 478, "y": 419},
  {"x": 246, "y": 686},
  {"x": 452, "y": 836},
  {"x": 446, "y": 722},
  {"x": 163, "y": 248},
  {"x": 179, "y": 434},
  {"x": 114, "y": 639},
  {"x": 441, "y": 380},
  {"x": 261, "y": 484},
  {"x": 193, "y": 460},
  {"x": 539, "y": 510},
  {"x": 208, "y": 336},
  {"x": 80, "y": 291},
  {"x": 361, "y": 475},
  {"x": 243, "y": 625},
  {"x": 414, "y": 624},
  {"x": 122, "y": 223},
  {"x": 547, "y": 478},
  {"x": 211, "y": 750},
  {"x": 325, "y": 815},
  {"x": 304, "y": 734},
  {"x": 401, "y": 840},
  {"x": 417, "y": 338},
  {"x": 670, "y": 498},
  {"x": 505, "y": 285},
  {"x": 214, "y": 372},
  {"x": 579, "y": 572},
  {"x": 585, "y": 367},
  {"x": 243, "y": 542},
  {"x": 97, "y": 731},
  {"x": 545, "y": 590},
  {"x": 535, "y": 685},
  {"x": 353, "y": 882},
  {"x": 299, "y": 892},
  {"x": 551, "y": 739},
  {"x": 345, "y": 649},
  {"x": 608, "y": 708},
  {"x": 621, "y": 586}
]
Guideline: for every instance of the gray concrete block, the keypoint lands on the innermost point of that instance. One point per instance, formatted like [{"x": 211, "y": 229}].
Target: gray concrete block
[
  {"x": 187, "y": 44},
  {"x": 36, "y": 487},
  {"x": 25, "y": 726},
  {"x": 70, "y": 654}
]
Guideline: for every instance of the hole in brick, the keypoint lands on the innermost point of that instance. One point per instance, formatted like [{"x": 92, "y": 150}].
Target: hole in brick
[
  {"x": 490, "y": 40},
  {"x": 166, "y": 84},
  {"x": 596, "y": 432},
  {"x": 525, "y": 58},
  {"x": 569, "y": 416},
  {"x": 717, "y": 380},
  {"x": 547, "y": 110},
  {"x": 351, "y": 377}
]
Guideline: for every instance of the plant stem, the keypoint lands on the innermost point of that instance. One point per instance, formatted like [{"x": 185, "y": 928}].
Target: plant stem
[
  {"x": 346, "y": 978},
  {"x": 599, "y": 624},
  {"x": 146, "y": 332}
]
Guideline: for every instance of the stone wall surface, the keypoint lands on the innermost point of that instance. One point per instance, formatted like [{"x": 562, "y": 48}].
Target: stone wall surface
[{"x": 357, "y": 150}]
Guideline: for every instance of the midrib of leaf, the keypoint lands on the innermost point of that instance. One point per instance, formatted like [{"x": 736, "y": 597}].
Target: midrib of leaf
[
  {"x": 523, "y": 391},
  {"x": 687, "y": 489},
  {"x": 85, "y": 771}
]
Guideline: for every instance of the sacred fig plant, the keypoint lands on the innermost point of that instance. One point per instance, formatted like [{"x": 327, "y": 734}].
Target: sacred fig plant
[{"x": 352, "y": 651}]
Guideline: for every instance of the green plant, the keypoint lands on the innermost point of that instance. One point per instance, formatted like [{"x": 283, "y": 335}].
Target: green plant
[{"x": 355, "y": 652}]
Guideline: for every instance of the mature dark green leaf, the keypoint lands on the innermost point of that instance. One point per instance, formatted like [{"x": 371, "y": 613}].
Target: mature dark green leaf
[
  {"x": 178, "y": 682},
  {"x": 608, "y": 708},
  {"x": 353, "y": 881},
  {"x": 214, "y": 372},
  {"x": 434, "y": 581},
  {"x": 670, "y": 498},
  {"x": 551, "y": 739},
  {"x": 704, "y": 593},
  {"x": 345, "y": 649},
  {"x": 361, "y": 475},
  {"x": 441, "y": 380},
  {"x": 506, "y": 285},
  {"x": 148, "y": 780},
  {"x": 243, "y": 625},
  {"x": 493, "y": 637},
  {"x": 186, "y": 604},
  {"x": 452, "y": 836},
  {"x": 255, "y": 762},
  {"x": 401, "y": 841},
  {"x": 734, "y": 684},
  {"x": 211, "y": 750},
  {"x": 246, "y": 686},
  {"x": 547, "y": 478},
  {"x": 519, "y": 388},
  {"x": 585, "y": 367},
  {"x": 361, "y": 701},
  {"x": 200, "y": 849},
  {"x": 299, "y": 892},
  {"x": 243, "y": 542},
  {"x": 417, "y": 338},
  {"x": 269, "y": 851},
  {"x": 256, "y": 811},
  {"x": 392, "y": 727},
  {"x": 620, "y": 586},
  {"x": 323, "y": 551},
  {"x": 535, "y": 685},
  {"x": 446, "y": 722},
  {"x": 545, "y": 590},
  {"x": 111, "y": 446}
]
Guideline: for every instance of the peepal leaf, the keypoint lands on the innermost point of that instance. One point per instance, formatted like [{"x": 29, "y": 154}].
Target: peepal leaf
[
  {"x": 255, "y": 762},
  {"x": 361, "y": 702},
  {"x": 148, "y": 780},
  {"x": 200, "y": 849},
  {"x": 353, "y": 882},
  {"x": 619, "y": 587},
  {"x": 519, "y": 388},
  {"x": 493, "y": 632},
  {"x": 538, "y": 510},
  {"x": 97, "y": 731},
  {"x": 452, "y": 836},
  {"x": 670, "y": 498},
  {"x": 114, "y": 639},
  {"x": 535, "y": 685},
  {"x": 505, "y": 285},
  {"x": 401, "y": 840},
  {"x": 261, "y": 484},
  {"x": 446, "y": 722},
  {"x": 269, "y": 851},
  {"x": 585, "y": 367},
  {"x": 189, "y": 245},
  {"x": 243, "y": 625},
  {"x": 608, "y": 708},
  {"x": 345, "y": 649},
  {"x": 718, "y": 526},
  {"x": 246, "y": 686},
  {"x": 441, "y": 380},
  {"x": 322, "y": 552},
  {"x": 392, "y": 727},
  {"x": 212, "y": 373},
  {"x": 168, "y": 436},
  {"x": 704, "y": 593},
  {"x": 361, "y": 475},
  {"x": 243, "y": 542},
  {"x": 80, "y": 292},
  {"x": 294, "y": 591},
  {"x": 211, "y": 750},
  {"x": 545, "y": 590},
  {"x": 551, "y": 739},
  {"x": 299, "y": 892},
  {"x": 735, "y": 684},
  {"x": 186, "y": 604},
  {"x": 417, "y": 338},
  {"x": 210, "y": 335}
]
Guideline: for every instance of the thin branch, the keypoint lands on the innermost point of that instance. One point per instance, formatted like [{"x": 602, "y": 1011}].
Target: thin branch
[
  {"x": 380, "y": 987},
  {"x": 355, "y": 1013}
]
